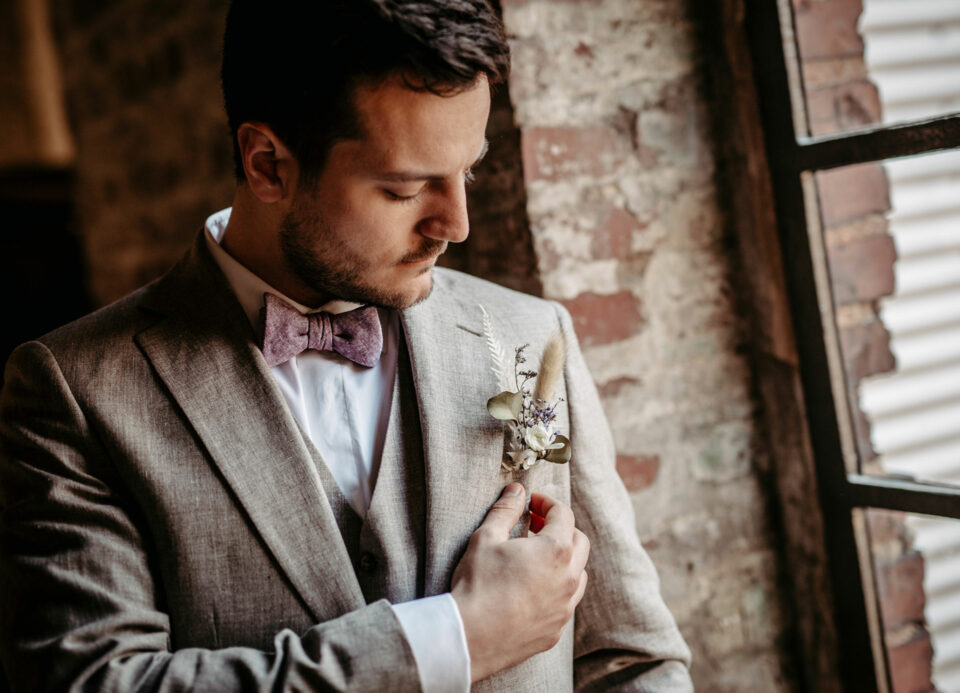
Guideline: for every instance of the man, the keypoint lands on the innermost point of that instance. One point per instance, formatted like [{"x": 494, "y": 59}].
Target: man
[{"x": 203, "y": 489}]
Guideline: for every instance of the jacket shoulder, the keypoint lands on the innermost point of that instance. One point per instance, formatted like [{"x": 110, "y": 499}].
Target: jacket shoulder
[
  {"x": 92, "y": 348},
  {"x": 117, "y": 321}
]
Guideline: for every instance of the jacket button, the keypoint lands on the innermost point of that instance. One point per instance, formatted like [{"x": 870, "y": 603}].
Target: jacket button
[{"x": 368, "y": 562}]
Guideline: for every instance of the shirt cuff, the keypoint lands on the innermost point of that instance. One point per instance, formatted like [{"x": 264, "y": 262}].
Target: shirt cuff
[{"x": 434, "y": 629}]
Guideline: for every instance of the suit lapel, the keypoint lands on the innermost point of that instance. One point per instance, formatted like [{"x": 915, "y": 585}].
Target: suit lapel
[
  {"x": 462, "y": 444},
  {"x": 204, "y": 353}
]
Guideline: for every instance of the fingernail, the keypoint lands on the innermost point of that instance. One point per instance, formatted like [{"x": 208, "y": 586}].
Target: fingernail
[{"x": 513, "y": 489}]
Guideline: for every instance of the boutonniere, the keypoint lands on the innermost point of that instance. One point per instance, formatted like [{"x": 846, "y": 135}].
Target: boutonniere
[{"x": 527, "y": 402}]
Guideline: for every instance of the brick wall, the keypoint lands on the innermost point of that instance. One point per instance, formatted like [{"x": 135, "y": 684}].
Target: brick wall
[
  {"x": 631, "y": 234},
  {"x": 853, "y": 203},
  {"x": 154, "y": 150}
]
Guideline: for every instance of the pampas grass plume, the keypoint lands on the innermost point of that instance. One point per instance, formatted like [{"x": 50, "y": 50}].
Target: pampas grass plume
[{"x": 551, "y": 366}]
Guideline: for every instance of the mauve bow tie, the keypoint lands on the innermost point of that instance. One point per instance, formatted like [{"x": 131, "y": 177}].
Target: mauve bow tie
[{"x": 355, "y": 335}]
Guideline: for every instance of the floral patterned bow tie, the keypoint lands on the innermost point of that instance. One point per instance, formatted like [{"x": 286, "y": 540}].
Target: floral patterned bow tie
[{"x": 355, "y": 335}]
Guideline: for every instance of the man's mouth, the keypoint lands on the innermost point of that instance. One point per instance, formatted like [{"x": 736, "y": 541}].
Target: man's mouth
[{"x": 428, "y": 253}]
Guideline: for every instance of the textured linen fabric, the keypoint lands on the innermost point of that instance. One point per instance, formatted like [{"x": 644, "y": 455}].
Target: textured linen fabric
[
  {"x": 432, "y": 625},
  {"x": 342, "y": 407},
  {"x": 162, "y": 527},
  {"x": 344, "y": 411}
]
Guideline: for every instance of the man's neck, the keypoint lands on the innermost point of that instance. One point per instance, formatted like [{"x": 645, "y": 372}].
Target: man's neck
[{"x": 252, "y": 238}]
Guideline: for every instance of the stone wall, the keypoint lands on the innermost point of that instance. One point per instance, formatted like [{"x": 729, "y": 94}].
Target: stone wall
[{"x": 633, "y": 237}]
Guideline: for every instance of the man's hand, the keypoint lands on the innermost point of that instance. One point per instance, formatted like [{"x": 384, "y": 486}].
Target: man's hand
[{"x": 516, "y": 595}]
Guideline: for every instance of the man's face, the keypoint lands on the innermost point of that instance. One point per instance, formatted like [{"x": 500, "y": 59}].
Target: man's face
[{"x": 371, "y": 226}]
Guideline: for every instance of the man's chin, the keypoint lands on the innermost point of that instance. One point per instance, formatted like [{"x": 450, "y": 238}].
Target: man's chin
[
  {"x": 417, "y": 294},
  {"x": 424, "y": 295},
  {"x": 412, "y": 292}
]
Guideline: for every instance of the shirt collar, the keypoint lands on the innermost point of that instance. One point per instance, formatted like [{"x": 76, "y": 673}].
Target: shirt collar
[{"x": 248, "y": 287}]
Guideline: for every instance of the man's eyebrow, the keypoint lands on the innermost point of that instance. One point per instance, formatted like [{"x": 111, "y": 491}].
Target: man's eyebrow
[{"x": 411, "y": 176}]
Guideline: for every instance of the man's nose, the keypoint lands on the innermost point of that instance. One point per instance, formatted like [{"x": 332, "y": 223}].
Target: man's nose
[{"x": 447, "y": 220}]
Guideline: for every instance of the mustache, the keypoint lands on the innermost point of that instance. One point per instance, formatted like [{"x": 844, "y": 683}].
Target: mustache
[{"x": 430, "y": 249}]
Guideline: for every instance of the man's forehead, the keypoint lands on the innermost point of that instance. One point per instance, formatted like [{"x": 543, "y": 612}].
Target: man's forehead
[
  {"x": 392, "y": 101},
  {"x": 400, "y": 126},
  {"x": 397, "y": 172}
]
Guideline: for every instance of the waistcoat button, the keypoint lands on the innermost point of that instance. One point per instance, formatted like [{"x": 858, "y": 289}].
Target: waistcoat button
[{"x": 368, "y": 562}]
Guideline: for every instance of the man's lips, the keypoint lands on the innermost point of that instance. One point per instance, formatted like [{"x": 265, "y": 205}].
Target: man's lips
[
  {"x": 428, "y": 254},
  {"x": 424, "y": 260}
]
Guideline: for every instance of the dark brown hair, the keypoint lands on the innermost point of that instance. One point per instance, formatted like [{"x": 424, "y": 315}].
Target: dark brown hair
[{"x": 294, "y": 64}]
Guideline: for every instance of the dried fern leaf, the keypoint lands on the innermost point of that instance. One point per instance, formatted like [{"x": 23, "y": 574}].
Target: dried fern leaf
[{"x": 497, "y": 352}]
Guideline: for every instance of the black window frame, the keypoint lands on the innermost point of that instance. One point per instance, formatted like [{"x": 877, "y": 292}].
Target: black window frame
[{"x": 844, "y": 493}]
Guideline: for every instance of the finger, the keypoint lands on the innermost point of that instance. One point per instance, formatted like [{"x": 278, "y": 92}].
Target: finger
[
  {"x": 581, "y": 549},
  {"x": 558, "y": 518},
  {"x": 505, "y": 512},
  {"x": 540, "y": 503},
  {"x": 536, "y": 523},
  {"x": 581, "y": 588}
]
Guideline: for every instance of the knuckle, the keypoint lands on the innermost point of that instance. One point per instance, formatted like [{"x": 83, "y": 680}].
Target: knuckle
[
  {"x": 565, "y": 511},
  {"x": 549, "y": 640},
  {"x": 562, "y": 552},
  {"x": 503, "y": 504}
]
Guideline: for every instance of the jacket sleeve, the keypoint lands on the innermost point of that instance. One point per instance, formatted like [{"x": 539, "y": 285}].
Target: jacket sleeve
[
  {"x": 625, "y": 638},
  {"x": 80, "y": 609}
]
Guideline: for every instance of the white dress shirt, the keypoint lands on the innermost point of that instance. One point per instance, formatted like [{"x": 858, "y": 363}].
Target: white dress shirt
[{"x": 344, "y": 408}]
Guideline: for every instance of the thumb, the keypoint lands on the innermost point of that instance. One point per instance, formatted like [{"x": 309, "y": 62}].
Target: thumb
[{"x": 506, "y": 512}]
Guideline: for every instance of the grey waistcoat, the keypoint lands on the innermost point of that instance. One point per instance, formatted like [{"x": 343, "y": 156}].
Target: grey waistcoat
[{"x": 380, "y": 544}]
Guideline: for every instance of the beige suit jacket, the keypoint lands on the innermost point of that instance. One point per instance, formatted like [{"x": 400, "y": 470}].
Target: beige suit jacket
[{"x": 162, "y": 528}]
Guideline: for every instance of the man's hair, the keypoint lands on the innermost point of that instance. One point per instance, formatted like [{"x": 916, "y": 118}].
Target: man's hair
[{"x": 295, "y": 64}]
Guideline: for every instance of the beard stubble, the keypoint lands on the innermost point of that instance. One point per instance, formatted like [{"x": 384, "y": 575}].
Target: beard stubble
[{"x": 330, "y": 267}]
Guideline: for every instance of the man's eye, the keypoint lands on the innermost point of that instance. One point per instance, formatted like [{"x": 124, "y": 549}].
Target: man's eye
[{"x": 392, "y": 195}]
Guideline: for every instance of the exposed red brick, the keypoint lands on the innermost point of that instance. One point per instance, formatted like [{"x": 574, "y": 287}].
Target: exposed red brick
[
  {"x": 852, "y": 192},
  {"x": 604, "y": 319},
  {"x": 564, "y": 152},
  {"x": 911, "y": 665},
  {"x": 866, "y": 351},
  {"x": 828, "y": 28},
  {"x": 862, "y": 270},
  {"x": 886, "y": 528},
  {"x": 843, "y": 107},
  {"x": 900, "y": 583},
  {"x": 583, "y": 50},
  {"x": 548, "y": 258},
  {"x": 638, "y": 472},
  {"x": 612, "y": 238},
  {"x": 612, "y": 388},
  {"x": 861, "y": 432}
]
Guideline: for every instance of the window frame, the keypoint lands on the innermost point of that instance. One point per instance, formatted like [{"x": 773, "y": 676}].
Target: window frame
[{"x": 844, "y": 493}]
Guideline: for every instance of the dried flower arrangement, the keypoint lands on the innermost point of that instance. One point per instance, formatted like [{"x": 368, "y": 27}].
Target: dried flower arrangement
[{"x": 529, "y": 413}]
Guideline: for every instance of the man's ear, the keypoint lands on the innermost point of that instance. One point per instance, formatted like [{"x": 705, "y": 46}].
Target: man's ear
[{"x": 267, "y": 163}]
